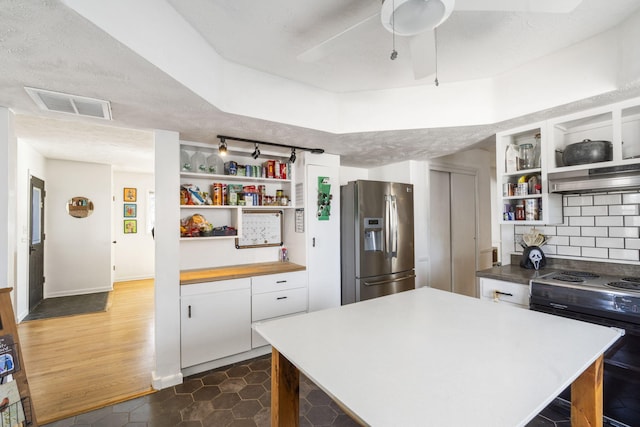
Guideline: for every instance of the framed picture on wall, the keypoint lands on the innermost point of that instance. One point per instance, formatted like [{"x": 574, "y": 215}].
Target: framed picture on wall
[
  {"x": 130, "y": 210},
  {"x": 130, "y": 226},
  {"x": 129, "y": 195}
]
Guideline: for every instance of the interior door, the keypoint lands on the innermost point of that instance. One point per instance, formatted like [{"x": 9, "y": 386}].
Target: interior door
[
  {"x": 463, "y": 234},
  {"x": 324, "y": 246},
  {"x": 452, "y": 232},
  {"x": 36, "y": 242},
  {"x": 440, "y": 230}
]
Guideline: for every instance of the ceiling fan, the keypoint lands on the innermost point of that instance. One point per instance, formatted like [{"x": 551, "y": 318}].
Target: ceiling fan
[{"x": 418, "y": 19}]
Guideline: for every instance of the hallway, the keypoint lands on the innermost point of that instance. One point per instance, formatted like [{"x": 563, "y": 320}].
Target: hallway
[{"x": 80, "y": 363}]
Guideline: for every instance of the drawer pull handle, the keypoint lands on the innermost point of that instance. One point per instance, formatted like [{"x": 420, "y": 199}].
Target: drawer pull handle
[
  {"x": 506, "y": 294},
  {"x": 281, "y": 281},
  {"x": 281, "y": 298},
  {"x": 189, "y": 315}
]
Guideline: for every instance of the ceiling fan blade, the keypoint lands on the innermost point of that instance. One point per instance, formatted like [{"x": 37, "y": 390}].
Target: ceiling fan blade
[
  {"x": 423, "y": 54},
  {"x": 321, "y": 50},
  {"x": 542, "y": 6}
]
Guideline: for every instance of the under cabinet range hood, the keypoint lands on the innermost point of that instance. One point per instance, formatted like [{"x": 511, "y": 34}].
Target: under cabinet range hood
[{"x": 613, "y": 178}]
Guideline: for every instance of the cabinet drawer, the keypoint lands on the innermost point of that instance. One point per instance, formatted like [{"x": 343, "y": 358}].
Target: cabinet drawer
[
  {"x": 275, "y": 304},
  {"x": 499, "y": 290},
  {"x": 278, "y": 282},
  {"x": 216, "y": 286}
]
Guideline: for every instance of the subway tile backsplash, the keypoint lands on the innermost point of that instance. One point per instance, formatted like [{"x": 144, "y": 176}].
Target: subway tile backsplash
[{"x": 598, "y": 226}]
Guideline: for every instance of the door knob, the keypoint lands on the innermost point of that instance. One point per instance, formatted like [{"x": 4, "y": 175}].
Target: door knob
[{"x": 114, "y": 242}]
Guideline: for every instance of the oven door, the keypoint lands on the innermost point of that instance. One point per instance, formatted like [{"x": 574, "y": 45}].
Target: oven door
[{"x": 621, "y": 388}]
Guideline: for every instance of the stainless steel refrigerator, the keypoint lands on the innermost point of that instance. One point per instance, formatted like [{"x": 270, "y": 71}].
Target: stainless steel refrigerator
[{"x": 377, "y": 255}]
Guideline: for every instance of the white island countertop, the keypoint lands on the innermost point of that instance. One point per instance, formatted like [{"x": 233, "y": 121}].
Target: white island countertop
[{"x": 432, "y": 358}]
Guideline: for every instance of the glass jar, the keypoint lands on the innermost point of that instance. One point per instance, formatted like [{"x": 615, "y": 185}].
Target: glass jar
[
  {"x": 198, "y": 162},
  {"x": 527, "y": 160},
  {"x": 185, "y": 161}
]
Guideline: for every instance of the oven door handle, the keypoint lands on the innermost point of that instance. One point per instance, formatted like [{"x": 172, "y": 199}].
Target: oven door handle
[{"x": 558, "y": 306}]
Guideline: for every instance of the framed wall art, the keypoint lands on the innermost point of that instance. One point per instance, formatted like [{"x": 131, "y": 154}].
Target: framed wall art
[
  {"x": 130, "y": 226},
  {"x": 130, "y": 210},
  {"x": 129, "y": 195}
]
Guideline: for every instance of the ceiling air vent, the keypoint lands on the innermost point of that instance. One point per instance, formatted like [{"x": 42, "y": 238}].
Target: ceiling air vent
[{"x": 70, "y": 104}]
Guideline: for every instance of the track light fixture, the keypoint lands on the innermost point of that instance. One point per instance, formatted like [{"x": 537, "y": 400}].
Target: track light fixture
[
  {"x": 222, "y": 148},
  {"x": 256, "y": 152}
]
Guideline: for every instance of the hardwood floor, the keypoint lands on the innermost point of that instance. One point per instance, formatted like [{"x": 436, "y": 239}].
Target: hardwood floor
[{"x": 79, "y": 363}]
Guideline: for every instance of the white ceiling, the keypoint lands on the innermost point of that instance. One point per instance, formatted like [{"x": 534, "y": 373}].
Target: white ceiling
[{"x": 45, "y": 44}]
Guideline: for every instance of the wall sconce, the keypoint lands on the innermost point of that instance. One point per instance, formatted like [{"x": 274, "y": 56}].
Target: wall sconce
[
  {"x": 222, "y": 148},
  {"x": 256, "y": 152}
]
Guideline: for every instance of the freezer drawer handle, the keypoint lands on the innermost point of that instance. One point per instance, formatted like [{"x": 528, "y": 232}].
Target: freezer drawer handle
[
  {"x": 281, "y": 281},
  {"x": 384, "y": 282},
  {"x": 281, "y": 298}
]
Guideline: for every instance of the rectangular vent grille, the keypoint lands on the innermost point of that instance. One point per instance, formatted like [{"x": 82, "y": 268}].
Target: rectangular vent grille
[{"x": 71, "y": 104}]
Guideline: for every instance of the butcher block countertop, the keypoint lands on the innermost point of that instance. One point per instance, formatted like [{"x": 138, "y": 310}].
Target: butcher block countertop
[{"x": 189, "y": 277}]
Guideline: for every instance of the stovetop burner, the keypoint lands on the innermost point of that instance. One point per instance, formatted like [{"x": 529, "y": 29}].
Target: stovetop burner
[
  {"x": 625, "y": 285},
  {"x": 583, "y": 274},
  {"x": 564, "y": 277}
]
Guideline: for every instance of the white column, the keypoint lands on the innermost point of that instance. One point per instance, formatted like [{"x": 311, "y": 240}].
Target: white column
[
  {"x": 8, "y": 160},
  {"x": 167, "y": 269}
]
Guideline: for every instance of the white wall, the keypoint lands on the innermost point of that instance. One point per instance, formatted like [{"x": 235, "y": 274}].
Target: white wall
[
  {"x": 30, "y": 162},
  {"x": 167, "y": 277},
  {"x": 77, "y": 250},
  {"x": 348, "y": 174},
  {"x": 134, "y": 254}
]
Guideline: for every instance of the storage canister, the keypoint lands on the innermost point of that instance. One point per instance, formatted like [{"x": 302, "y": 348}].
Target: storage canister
[
  {"x": 216, "y": 190},
  {"x": 531, "y": 210},
  {"x": 520, "y": 215}
]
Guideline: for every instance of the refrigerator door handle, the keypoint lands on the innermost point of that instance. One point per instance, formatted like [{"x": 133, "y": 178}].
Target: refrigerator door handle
[
  {"x": 387, "y": 226},
  {"x": 394, "y": 227},
  {"x": 384, "y": 282}
]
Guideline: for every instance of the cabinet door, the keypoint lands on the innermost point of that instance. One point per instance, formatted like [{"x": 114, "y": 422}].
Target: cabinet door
[{"x": 215, "y": 325}]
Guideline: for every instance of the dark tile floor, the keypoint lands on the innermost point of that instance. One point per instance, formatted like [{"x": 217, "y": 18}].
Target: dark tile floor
[
  {"x": 69, "y": 306},
  {"x": 238, "y": 395}
]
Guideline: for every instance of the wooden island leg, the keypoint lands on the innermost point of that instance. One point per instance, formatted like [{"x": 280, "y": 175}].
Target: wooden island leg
[
  {"x": 586, "y": 397},
  {"x": 285, "y": 387}
]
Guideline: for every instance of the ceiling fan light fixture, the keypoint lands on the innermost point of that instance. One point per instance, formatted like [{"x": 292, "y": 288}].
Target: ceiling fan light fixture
[{"x": 411, "y": 17}]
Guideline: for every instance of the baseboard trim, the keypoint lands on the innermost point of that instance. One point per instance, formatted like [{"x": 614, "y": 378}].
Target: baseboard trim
[
  {"x": 78, "y": 292},
  {"x": 207, "y": 366},
  {"x": 160, "y": 383}
]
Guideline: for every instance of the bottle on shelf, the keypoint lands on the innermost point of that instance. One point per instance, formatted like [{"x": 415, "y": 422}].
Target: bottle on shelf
[{"x": 511, "y": 158}]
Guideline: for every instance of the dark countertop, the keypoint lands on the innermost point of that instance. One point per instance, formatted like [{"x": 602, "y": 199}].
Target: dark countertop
[{"x": 516, "y": 274}]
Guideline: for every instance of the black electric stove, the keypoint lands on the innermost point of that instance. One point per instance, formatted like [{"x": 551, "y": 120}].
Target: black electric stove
[
  {"x": 605, "y": 300},
  {"x": 606, "y": 296}
]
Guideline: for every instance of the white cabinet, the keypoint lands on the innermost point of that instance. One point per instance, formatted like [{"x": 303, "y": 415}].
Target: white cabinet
[
  {"x": 250, "y": 174},
  {"x": 618, "y": 123},
  {"x": 504, "y": 292},
  {"x": 215, "y": 320},
  {"x": 277, "y": 295},
  {"x": 523, "y": 189}
]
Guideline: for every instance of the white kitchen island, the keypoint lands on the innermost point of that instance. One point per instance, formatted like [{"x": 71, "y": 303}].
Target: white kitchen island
[{"x": 432, "y": 358}]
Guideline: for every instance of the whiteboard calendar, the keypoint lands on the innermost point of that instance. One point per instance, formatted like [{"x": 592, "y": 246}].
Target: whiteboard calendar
[{"x": 260, "y": 228}]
